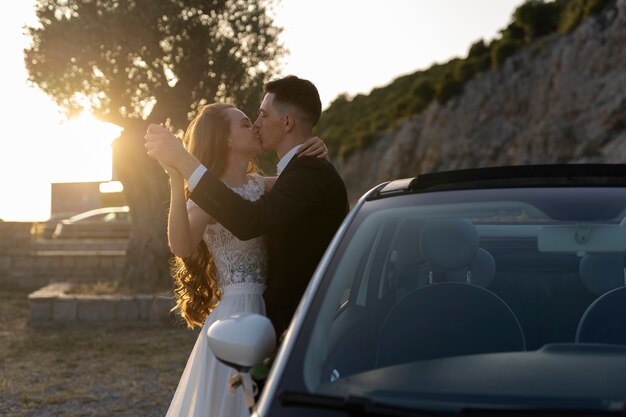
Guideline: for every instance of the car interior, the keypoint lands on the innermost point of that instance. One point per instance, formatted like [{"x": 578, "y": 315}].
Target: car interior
[{"x": 435, "y": 286}]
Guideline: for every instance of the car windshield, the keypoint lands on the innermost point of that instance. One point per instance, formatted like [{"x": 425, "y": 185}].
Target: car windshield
[{"x": 475, "y": 298}]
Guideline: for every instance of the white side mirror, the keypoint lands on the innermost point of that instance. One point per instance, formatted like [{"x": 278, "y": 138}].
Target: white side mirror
[{"x": 242, "y": 340}]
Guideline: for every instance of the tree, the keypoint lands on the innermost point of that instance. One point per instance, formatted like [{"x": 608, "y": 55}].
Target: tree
[{"x": 137, "y": 62}]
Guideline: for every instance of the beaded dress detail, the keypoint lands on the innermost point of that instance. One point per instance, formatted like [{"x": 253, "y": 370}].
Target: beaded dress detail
[
  {"x": 239, "y": 263},
  {"x": 241, "y": 268}
]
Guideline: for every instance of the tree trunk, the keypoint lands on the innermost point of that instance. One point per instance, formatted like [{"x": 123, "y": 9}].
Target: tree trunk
[{"x": 147, "y": 192}]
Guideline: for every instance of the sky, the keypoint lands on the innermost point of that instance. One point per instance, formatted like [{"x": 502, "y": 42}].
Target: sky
[{"x": 342, "y": 46}]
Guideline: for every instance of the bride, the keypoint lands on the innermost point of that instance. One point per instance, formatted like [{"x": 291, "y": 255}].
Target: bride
[{"x": 216, "y": 274}]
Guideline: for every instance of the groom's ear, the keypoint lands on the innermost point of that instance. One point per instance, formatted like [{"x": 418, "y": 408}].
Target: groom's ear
[{"x": 288, "y": 123}]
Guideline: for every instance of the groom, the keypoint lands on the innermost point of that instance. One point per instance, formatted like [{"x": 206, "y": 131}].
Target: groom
[{"x": 300, "y": 214}]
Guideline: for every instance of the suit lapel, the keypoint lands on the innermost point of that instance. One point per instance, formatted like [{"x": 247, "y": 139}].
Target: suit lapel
[{"x": 289, "y": 166}]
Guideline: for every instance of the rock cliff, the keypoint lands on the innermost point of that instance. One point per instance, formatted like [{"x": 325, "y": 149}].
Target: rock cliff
[{"x": 562, "y": 100}]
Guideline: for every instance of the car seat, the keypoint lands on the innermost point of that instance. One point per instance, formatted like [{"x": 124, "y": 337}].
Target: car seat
[{"x": 448, "y": 318}]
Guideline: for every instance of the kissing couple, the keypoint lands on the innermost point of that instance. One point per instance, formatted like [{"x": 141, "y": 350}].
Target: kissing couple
[{"x": 244, "y": 242}]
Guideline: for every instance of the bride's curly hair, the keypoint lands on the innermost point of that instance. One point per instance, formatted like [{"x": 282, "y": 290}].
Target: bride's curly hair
[{"x": 195, "y": 279}]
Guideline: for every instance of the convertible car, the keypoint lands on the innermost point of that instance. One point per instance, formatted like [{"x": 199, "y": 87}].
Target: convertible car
[{"x": 493, "y": 291}]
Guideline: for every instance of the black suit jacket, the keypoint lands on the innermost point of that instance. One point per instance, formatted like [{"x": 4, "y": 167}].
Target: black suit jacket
[{"x": 300, "y": 215}]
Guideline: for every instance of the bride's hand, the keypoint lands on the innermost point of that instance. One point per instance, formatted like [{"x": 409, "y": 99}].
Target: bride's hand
[
  {"x": 314, "y": 147},
  {"x": 174, "y": 174}
]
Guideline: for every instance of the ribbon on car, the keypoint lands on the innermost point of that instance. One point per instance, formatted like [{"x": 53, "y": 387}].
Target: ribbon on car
[{"x": 249, "y": 387}]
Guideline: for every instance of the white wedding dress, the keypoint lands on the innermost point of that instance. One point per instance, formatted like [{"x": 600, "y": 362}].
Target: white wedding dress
[{"x": 241, "y": 273}]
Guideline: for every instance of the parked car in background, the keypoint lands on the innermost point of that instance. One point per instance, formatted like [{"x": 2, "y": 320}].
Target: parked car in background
[
  {"x": 494, "y": 291},
  {"x": 102, "y": 223},
  {"x": 45, "y": 229}
]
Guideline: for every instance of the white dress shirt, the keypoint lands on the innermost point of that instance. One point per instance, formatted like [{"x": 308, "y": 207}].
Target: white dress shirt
[
  {"x": 284, "y": 161},
  {"x": 195, "y": 177}
]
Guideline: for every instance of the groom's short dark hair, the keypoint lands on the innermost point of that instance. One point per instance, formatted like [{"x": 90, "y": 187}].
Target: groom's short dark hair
[{"x": 298, "y": 93}]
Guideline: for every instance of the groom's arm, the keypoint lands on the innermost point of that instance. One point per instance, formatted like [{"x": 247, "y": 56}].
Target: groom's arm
[{"x": 298, "y": 193}]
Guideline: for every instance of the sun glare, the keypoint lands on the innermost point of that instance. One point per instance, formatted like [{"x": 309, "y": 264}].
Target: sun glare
[
  {"x": 77, "y": 150},
  {"x": 81, "y": 150}
]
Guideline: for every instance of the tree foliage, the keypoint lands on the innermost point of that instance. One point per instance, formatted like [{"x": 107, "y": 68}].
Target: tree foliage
[
  {"x": 135, "y": 62},
  {"x": 447, "y": 87},
  {"x": 537, "y": 18},
  {"x": 141, "y": 59},
  {"x": 503, "y": 49}
]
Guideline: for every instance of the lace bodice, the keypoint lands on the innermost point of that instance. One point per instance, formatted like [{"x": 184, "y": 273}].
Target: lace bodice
[{"x": 238, "y": 262}]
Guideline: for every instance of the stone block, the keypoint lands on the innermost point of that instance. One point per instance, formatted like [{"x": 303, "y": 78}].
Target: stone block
[
  {"x": 80, "y": 261},
  {"x": 127, "y": 309},
  {"x": 106, "y": 262},
  {"x": 24, "y": 262},
  {"x": 41, "y": 309},
  {"x": 81, "y": 270},
  {"x": 5, "y": 262},
  {"x": 64, "y": 309},
  {"x": 41, "y": 262},
  {"x": 67, "y": 261},
  {"x": 144, "y": 303},
  {"x": 55, "y": 262},
  {"x": 96, "y": 308}
]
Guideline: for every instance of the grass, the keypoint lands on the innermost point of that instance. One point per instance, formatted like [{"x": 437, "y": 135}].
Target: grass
[{"x": 86, "y": 370}]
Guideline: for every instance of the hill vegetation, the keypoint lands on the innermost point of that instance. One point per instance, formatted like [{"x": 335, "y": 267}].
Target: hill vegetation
[{"x": 350, "y": 124}]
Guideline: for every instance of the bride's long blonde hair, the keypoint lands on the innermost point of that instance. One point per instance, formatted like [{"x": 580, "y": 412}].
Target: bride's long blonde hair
[{"x": 195, "y": 280}]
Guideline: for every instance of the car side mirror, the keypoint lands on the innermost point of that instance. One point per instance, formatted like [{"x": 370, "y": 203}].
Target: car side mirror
[{"x": 242, "y": 340}]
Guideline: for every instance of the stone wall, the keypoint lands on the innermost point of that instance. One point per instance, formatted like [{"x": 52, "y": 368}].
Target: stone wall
[
  {"x": 51, "y": 305},
  {"x": 30, "y": 263}
]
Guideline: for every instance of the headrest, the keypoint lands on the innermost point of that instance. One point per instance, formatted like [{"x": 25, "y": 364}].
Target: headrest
[
  {"x": 483, "y": 270},
  {"x": 449, "y": 244},
  {"x": 600, "y": 273}
]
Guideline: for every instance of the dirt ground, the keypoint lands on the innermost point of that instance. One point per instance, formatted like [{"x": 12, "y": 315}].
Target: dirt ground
[{"x": 87, "y": 370}]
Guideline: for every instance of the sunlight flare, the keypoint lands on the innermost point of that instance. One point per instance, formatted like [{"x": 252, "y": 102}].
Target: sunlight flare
[{"x": 82, "y": 150}]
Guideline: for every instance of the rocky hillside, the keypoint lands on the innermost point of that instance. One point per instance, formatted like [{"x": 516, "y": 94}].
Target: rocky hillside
[{"x": 563, "y": 100}]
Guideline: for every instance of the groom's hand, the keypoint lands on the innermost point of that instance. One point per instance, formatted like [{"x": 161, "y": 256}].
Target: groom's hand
[{"x": 165, "y": 147}]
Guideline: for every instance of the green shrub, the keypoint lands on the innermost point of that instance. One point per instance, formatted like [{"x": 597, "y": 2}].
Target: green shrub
[
  {"x": 514, "y": 32},
  {"x": 477, "y": 60},
  {"x": 537, "y": 18},
  {"x": 482, "y": 63},
  {"x": 423, "y": 89},
  {"x": 576, "y": 11},
  {"x": 571, "y": 16},
  {"x": 348, "y": 148},
  {"x": 417, "y": 105},
  {"x": 464, "y": 70},
  {"x": 447, "y": 87},
  {"x": 503, "y": 49},
  {"x": 478, "y": 49}
]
